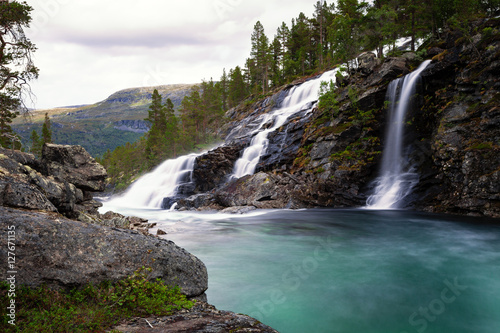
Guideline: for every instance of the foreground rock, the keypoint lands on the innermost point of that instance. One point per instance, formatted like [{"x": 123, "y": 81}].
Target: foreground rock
[
  {"x": 63, "y": 253},
  {"x": 201, "y": 318},
  {"x": 63, "y": 181}
]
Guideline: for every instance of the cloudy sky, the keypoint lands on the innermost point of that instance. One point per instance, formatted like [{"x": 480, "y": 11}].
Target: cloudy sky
[{"x": 89, "y": 49}]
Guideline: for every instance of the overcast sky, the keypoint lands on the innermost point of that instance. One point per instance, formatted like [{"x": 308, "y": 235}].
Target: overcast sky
[{"x": 89, "y": 49}]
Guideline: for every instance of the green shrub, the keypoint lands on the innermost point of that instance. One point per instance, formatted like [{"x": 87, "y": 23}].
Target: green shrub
[{"x": 93, "y": 308}]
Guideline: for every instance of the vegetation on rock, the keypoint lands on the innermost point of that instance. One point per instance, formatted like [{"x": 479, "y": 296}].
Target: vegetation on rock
[{"x": 94, "y": 308}]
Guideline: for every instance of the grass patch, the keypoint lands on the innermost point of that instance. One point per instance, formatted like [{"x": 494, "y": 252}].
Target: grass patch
[{"x": 92, "y": 309}]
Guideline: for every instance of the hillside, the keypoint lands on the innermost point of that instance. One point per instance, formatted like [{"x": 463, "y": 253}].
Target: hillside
[{"x": 104, "y": 125}]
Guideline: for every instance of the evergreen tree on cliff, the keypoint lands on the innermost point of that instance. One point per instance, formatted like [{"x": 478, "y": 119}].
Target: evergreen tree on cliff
[
  {"x": 16, "y": 65},
  {"x": 46, "y": 130},
  {"x": 155, "y": 136},
  {"x": 36, "y": 143}
]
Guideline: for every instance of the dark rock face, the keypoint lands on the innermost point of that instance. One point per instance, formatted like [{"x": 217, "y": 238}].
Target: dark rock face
[
  {"x": 63, "y": 253},
  {"x": 213, "y": 168},
  {"x": 74, "y": 165},
  {"x": 202, "y": 317}
]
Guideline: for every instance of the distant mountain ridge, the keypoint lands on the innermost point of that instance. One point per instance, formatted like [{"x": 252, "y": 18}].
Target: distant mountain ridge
[{"x": 104, "y": 125}]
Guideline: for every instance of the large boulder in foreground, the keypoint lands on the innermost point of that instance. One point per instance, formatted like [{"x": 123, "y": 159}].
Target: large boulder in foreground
[
  {"x": 74, "y": 165},
  {"x": 65, "y": 254}
]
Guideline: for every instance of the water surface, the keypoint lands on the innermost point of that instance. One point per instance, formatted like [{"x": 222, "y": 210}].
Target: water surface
[{"x": 346, "y": 270}]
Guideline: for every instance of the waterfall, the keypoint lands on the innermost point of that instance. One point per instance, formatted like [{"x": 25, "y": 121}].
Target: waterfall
[
  {"x": 396, "y": 178},
  {"x": 165, "y": 181},
  {"x": 300, "y": 98}
]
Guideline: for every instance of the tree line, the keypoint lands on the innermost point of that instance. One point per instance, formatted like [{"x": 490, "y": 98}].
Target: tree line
[{"x": 338, "y": 33}]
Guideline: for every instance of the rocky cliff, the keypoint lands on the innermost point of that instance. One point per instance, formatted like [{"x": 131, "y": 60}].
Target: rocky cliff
[{"x": 329, "y": 157}]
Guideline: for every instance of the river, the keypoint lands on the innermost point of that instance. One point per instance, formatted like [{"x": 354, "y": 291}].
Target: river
[{"x": 327, "y": 270}]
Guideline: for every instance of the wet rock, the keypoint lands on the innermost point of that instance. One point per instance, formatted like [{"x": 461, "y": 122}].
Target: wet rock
[
  {"x": 213, "y": 168},
  {"x": 63, "y": 253},
  {"x": 238, "y": 210},
  {"x": 249, "y": 190},
  {"x": 196, "y": 201}
]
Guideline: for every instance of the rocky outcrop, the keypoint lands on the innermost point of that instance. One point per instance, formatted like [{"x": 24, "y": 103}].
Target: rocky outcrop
[
  {"x": 63, "y": 181},
  {"x": 63, "y": 253},
  {"x": 462, "y": 108},
  {"x": 74, "y": 165},
  {"x": 136, "y": 126},
  {"x": 202, "y": 317},
  {"x": 213, "y": 168}
]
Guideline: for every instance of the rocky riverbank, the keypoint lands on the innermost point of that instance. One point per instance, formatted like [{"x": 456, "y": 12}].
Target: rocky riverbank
[
  {"x": 61, "y": 241},
  {"x": 330, "y": 157}
]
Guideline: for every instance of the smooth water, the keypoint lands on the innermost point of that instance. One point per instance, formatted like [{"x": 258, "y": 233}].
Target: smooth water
[
  {"x": 397, "y": 178},
  {"x": 346, "y": 270},
  {"x": 164, "y": 181}
]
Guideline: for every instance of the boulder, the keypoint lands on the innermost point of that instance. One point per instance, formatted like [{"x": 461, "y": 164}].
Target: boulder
[
  {"x": 213, "y": 168},
  {"x": 251, "y": 190},
  {"x": 391, "y": 69},
  {"x": 367, "y": 62},
  {"x": 65, "y": 254},
  {"x": 196, "y": 201},
  {"x": 74, "y": 165}
]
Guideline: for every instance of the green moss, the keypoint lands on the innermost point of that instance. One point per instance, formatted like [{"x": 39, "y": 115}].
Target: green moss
[
  {"x": 92, "y": 309},
  {"x": 481, "y": 146}
]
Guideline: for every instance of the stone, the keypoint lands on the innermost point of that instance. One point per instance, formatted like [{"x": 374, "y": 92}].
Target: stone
[
  {"x": 66, "y": 254},
  {"x": 74, "y": 165},
  {"x": 196, "y": 201},
  {"x": 213, "y": 168},
  {"x": 238, "y": 210},
  {"x": 250, "y": 190},
  {"x": 367, "y": 62},
  {"x": 202, "y": 317}
]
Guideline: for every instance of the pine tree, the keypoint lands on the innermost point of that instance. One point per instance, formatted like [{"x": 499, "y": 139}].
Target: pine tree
[
  {"x": 260, "y": 55},
  {"x": 46, "y": 130},
  {"x": 156, "y": 116},
  {"x": 171, "y": 135},
  {"x": 36, "y": 143},
  {"x": 16, "y": 66},
  {"x": 237, "y": 88}
]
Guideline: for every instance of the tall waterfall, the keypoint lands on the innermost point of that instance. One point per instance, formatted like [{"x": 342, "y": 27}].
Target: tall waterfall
[
  {"x": 397, "y": 178},
  {"x": 299, "y": 98},
  {"x": 164, "y": 181}
]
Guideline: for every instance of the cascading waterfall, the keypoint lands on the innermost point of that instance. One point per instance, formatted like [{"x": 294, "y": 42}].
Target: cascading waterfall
[
  {"x": 397, "y": 178},
  {"x": 299, "y": 98},
  {"x": 149, "y": 190}
]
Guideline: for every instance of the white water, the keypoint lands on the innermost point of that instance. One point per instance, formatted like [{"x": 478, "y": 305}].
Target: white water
[
  {"x": 149, "y": 190},
  {"x": 397, "y": 179},
  {"x": 298, "y": 99}
]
